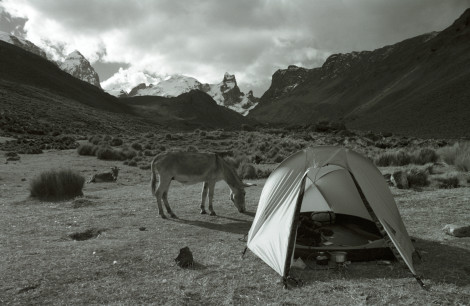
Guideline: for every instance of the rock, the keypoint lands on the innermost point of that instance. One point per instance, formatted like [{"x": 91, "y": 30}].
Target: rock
[
  {"x": 457, "y": 230},
  {"x": 399, "y": 180}
]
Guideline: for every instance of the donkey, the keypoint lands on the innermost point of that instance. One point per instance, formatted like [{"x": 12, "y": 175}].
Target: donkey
[
  {"x": 192, "y": 168},
  {"x": 105, "y": 177}
]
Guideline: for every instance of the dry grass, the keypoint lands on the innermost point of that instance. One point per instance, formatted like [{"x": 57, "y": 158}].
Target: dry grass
[
  {"x": 57, "y": 184},
  {"x": 128, "y": 256},
  {"x": 458, "y": 155}
]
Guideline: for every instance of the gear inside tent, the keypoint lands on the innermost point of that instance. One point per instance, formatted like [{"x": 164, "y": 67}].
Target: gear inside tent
[{"x": 327, "y": 199}]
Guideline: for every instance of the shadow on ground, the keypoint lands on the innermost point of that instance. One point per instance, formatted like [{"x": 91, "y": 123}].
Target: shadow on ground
[
  {"x": 441, "y": 263},
  {"x": 235, "y": 226}
]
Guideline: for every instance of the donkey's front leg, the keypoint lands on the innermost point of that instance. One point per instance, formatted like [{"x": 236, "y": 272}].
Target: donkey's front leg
[
  {"x": 211, "y": 196},
  {"x": 205, "y": 188}
]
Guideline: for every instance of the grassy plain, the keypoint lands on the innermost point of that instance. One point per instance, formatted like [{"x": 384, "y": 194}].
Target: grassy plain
[{"x": 130, "y": 257}]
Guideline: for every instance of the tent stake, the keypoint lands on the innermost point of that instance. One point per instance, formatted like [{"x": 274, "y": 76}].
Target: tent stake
[{"x": 420, "y": 282}]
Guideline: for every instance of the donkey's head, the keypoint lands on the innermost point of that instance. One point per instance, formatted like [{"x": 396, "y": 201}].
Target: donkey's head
[{"x": 237, "y": 195}]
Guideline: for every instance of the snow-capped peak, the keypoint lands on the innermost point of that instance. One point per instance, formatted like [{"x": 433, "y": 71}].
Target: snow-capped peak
[
  {"x": 22, "y": 43},
  {"x": 78, "y": 66}
]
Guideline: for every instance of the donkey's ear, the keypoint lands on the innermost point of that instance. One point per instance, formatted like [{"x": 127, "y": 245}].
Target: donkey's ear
[{"x": 248, "y": 184}]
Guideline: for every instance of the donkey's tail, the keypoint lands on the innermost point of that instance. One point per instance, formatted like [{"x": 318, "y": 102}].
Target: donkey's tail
[{"x": 153, "y": 178}]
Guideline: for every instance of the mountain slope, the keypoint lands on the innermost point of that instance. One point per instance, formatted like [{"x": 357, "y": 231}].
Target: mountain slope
[
  {"x": 189, "y": 110},
  {"x": 418, "y": 86},
  {"x": 39, "y": 94}
]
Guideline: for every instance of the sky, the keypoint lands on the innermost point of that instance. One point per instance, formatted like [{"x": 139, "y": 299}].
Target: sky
[{"x": 206, "y": 38}]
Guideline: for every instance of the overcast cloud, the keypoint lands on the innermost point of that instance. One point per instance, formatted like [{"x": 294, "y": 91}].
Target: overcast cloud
[{"x": 206, "y": 38}]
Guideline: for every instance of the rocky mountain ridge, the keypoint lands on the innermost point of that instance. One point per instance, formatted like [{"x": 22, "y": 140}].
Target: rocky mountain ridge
[
  {"x": 226, "y": 93},
  {"x": 22, "y": 43},
  {"x": 416, "y": 86}
]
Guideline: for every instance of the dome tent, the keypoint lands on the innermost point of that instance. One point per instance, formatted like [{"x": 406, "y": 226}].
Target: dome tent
[{"x": 324, "y": 178}]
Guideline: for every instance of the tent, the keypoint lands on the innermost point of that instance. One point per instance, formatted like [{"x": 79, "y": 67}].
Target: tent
[{"x": 331, "y": 179}]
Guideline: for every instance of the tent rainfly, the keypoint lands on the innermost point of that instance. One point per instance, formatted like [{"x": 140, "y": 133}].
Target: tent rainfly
[{"x": 324, "y": 178}]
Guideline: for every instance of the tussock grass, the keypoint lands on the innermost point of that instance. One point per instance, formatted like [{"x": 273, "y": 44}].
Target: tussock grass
[
  {"x": 402, "y": 158},
  {"x": 448, "y": 181},
  {"x": 457, "y": 154},
  {"x": 87, "y": 149},
  {"x": 417, "y": 178},
  {"x": 57, "y": 185}
]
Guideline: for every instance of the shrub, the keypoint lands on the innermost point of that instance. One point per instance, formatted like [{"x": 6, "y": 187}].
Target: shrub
[
  {"x": 95, "y": 139},
  {"x": 87, "y": 149},
  {"x": 116, "y": 142},
  {"x": 248, "y": 171},
  {"x": 399, "y": 158},
  {"x": 108, "y": 153},
  {"x": 128, "y": 153},
  {"x": 458, "y": 155},
  {"x": 417, "y": 178},
  {"x": 57, "y": 184},
  {"x": 148, "y": 153},
  {"x": 132, "y": 163},
  {"x": 425, "y": 156},
  {"x": 451, "y": 181},
  {"x": 136, "y": 146}
]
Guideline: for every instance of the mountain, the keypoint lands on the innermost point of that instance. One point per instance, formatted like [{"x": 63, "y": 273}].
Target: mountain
[
  {"x": 226, "y": 93},
  {"x": 171, "y": 87},
  {"x": 22, "y": 43},
  {"x": 123, "y": 81},
  {"x": 193, "y": 109},
  {"x": 78, "y": 66},
  {"x": 36, "y": 94},
  {"x": 418, "y": 86}
]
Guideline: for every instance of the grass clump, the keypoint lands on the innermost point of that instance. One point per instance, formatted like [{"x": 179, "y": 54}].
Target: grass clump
[
  {"x": 387, "y": 159},
  {"x": 448, "y": 182},
  {"x": 424, "y": 156},
  {"x": 108, "y": 153},
  {"x": 417, "y": 178},
  {"x": 57, "y": 184},
  {"x": 457, "y": 155},
  {"x": 87, "y": 149}
]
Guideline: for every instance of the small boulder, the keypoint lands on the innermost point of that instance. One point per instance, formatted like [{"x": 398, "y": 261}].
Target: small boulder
[
  {"x": 457, "y": 230},
  {"x": 399, "y": 180}
]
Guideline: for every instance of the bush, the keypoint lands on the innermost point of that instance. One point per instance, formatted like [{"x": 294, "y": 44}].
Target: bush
[
  {"x": 425, "y": 156},
  {"x": 116, "y": 142},
  {"x": 458, "y": 155},
  {"x": 136, "y": 146},
  {"x": 192, "y": 148},
  {"x": 87, "y": 149},
  {"x": 399, "y": 158},
  {"x": 448, "y": 182},
  {"x": 108, "y": 153},
  {"x": 248, "y": 171},
  {"x": 57, "y": 185},
  {"x": 95, "y": 139},
  {"x": 417, "y": 178}
]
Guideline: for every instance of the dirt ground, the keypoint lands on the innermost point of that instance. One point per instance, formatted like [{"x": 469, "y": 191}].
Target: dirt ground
[{"x": 128, "y": 255}]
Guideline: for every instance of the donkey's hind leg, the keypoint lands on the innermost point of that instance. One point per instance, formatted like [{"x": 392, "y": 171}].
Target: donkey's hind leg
[
  {"x": 162, "y": 189},
  {"x": 167, "y": 205}
]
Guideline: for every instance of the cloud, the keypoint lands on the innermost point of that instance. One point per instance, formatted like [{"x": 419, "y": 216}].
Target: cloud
[{"x": 206, "y": 38}]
